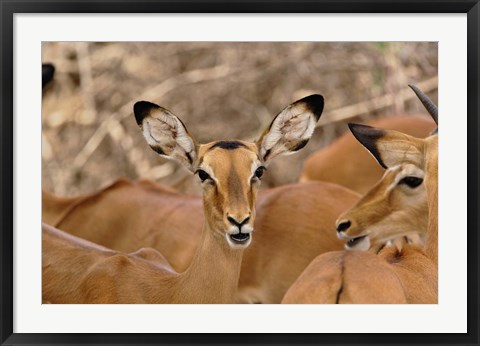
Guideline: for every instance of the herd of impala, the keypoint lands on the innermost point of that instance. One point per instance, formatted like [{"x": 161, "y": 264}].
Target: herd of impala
[{"x": 351, "y": 231}]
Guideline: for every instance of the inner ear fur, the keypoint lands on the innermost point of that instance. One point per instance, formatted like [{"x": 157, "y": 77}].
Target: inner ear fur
[
  {"x": 389, "y": 147},
  {"x": 292, "y": 128},
  {"x": 165, "y": 133}
]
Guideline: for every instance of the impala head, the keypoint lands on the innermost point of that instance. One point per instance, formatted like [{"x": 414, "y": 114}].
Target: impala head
[
  {"x": 397, "y": 205},
  {"x": 229, "y": 171}
]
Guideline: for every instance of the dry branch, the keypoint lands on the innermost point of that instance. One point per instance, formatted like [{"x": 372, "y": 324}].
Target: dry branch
[
  {"x": 86, "y": 80},
  {"x": 189, "y": 77},
  {"x": 95, "y": 80},
  {"x": 384, "y": 101}
]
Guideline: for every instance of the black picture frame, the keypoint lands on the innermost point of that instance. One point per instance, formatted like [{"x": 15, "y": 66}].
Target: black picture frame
[{"x": 9, "y": 7}]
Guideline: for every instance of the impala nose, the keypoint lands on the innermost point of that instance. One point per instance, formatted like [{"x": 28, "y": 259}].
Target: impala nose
[
  {"x": 343, "y": 226},
  {"x": 237, "y": 223}
]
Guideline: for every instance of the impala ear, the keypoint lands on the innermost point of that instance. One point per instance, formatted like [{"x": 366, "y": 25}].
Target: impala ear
[
  {"x": 388, "y": 147},
  {"x": 165, "y": 133},
  {"x": 48, "y": 70},
  {"x": 292, "y": 128}
]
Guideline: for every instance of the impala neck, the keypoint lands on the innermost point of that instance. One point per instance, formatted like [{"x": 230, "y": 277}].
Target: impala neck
[
  {"x": 213, "y": 275},
  {"x": 431, "y": 242}
]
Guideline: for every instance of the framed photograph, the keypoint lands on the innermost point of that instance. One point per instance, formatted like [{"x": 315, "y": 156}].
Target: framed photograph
[{"x": 176, "y": 120}]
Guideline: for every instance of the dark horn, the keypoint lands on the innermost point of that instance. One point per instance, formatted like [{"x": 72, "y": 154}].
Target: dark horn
[{"x": 429, "y": 105}]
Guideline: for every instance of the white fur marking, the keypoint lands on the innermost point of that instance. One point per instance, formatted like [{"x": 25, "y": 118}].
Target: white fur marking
[{"x": 294, "y": 123}]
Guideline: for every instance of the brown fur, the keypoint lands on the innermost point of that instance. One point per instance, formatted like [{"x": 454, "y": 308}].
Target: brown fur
[
  {"x": 107, "y": 217},
  {"x": 295, "y": 223},
  {"x": 211, "y": 277},
  {"x": 389, "y": 211},
  {"x": 346, "y": 277},
  {"x": 170, "y": 222},
  {"x": 411, "y": 272},
  {"x": 347, "y": 163},
  {"x": 230, "y": 184},
  {"x": 77, "y": 271}
]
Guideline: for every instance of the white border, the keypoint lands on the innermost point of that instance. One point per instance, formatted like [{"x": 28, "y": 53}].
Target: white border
[{"x": 448, "y": 316}]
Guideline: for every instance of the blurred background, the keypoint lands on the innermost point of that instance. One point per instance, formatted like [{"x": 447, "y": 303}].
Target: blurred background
[{"x": 220, "y": 91}]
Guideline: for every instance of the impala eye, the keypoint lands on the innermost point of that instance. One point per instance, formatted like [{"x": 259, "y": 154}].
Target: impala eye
[
  {"x": 259, "y": 171},
  {"x": 203, "y": 175},
  {"x": 412, "y": 182}
]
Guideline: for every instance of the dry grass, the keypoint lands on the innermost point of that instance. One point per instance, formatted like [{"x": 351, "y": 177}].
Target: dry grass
[{"x": 220, "y": 90}]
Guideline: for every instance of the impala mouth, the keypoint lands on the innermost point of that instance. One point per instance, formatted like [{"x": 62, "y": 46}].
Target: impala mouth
[
  {"x": 358, "y": 243},
  {"x": 239, "y": 240}
]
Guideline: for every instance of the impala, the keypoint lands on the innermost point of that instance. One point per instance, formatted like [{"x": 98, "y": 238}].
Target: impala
[
  {"x": 359, "y": 172},
  {"x": 230, "y": 173},
  {"x": 128, "y": 215},
  {"x": 294, "y": 224},
  {"x": 393, "y": 276},
  {"x": 395, "y": 207}
]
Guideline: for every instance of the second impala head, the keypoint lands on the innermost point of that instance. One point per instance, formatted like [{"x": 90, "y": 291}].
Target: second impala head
[{"x": 229, "y": 171}]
